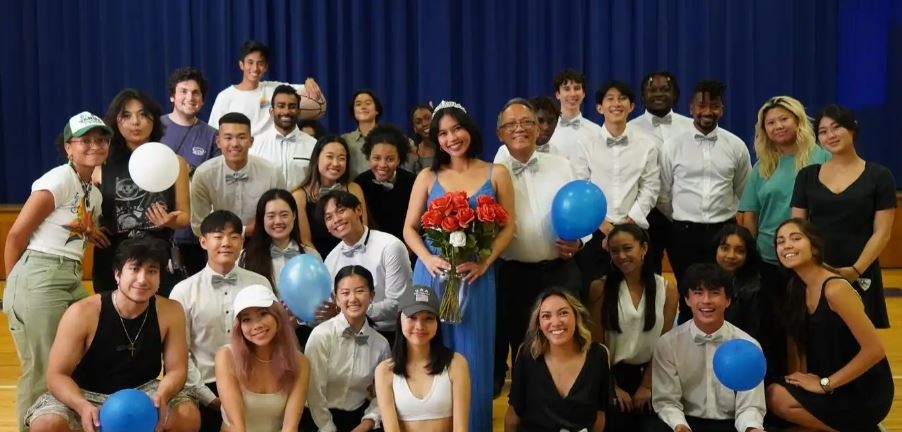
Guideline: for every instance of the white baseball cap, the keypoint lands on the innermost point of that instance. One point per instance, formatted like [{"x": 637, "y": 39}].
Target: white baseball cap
[{"x": 254, "y": 296}]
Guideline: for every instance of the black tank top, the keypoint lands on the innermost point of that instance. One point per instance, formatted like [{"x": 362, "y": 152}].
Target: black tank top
[
  {"x": 125, "y": 204},
  {"x": 109, "y": 365}
]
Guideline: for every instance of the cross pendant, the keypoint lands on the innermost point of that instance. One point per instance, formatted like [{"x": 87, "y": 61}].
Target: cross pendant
[{"x": 131, "y": 349}]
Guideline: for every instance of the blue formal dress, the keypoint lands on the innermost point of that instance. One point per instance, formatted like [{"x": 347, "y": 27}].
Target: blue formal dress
[{"x": 474, "y": 337}]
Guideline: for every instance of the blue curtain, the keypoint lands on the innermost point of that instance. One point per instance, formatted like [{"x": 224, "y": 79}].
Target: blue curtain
[{"x": 65, "y": 56}]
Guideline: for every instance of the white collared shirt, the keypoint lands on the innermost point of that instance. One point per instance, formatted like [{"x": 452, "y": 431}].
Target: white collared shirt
[
  {"x": 254, "y": 104},
  {"x": 534, "y": 191},
  {"x": 568, "y": 142},
  {"x": 210, "y": 191},
  {"x": 385, "y": 256},
  {"x": 702, "y": 181},
  {"x": 662, "y": 132},
  {"x": 629, "y": 174},
  {"x": 342, "y": 373},
  {"x": 683, "y": 381},
  {"x": 504, "y": 154},
  {"x": 209, "y": 318},
  {"x": 291, "y": 153}
]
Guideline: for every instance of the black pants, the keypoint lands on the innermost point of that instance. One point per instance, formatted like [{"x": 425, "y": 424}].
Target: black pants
[
  {"x": 519, "y": 284},
  {"x": 698, "y": 424},
  {"x": 210, "y": 418},
  {"x": 691, "y": 243},
  {"x": 593, "y": 262},
  {"x": 772, "y": 332},
  {"x": 344, "y": 421},
  {"x": 628, "y": 377},
  {"x": 659, "y": 239}
]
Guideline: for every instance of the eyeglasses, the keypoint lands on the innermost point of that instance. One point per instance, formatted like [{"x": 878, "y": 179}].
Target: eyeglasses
[
  {"x": 91, "y": 142},
  {"x": 512, "y": 126}
]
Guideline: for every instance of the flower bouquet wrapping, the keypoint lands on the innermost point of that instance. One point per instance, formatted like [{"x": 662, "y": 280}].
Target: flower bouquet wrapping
[{"x": 461, "y": 233}]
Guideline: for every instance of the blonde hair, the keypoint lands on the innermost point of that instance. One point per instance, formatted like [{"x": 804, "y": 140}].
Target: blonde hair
[
  {"x": 766, "y": 150},
  {"x": 536, "y": 342}
]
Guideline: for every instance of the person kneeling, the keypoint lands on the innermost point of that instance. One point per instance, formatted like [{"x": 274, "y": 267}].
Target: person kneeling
[{"x": 114, "y": 341}]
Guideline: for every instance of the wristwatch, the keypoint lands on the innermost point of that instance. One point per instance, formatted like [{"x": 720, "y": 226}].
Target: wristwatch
[{"x": 825, "y": 384}]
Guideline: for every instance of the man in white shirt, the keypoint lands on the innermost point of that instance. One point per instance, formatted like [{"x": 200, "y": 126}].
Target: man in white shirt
[
  {"x": 685, "y": 393},
  {"x": 536, "y": 258},
  {"x": 235, "y": 180},
  {"x": 286, "y": 146},
  {"x": 383, "y": 254},
  {"x": 207, "y": 298},
  {"x": 547, "y": 114},
  {"x": 703, "y": 175},
  {"x": 252, "y": 95},
  {"x": 660, "y": 92},
  {"x": 572, "y": 129}
]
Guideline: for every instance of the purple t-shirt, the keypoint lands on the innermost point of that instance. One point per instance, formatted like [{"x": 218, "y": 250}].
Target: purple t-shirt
[{"x": 196, "y": 143}]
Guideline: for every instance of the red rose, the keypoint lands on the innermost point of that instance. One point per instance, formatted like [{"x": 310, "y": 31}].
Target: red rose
[
  {"x": 450, "y": 224},
  {"x": 484, "y": 200},
  {"x": 441, "y": 204},
  {"x": 465, "y": 216},
  {"x": 485, "y": 213},
  {"x": 459, "y": 201},
  {"x": 431, "y": 219},
  {"x": 501, "y": 215}
]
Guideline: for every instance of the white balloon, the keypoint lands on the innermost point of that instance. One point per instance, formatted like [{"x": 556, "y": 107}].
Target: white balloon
[{"x": 154, "y": 167}]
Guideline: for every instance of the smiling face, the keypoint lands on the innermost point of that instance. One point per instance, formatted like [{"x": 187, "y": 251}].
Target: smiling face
[
  {"x": 627, "y": 252},
  {"x": 222, "y": 247},
  {"x": 285, "y": 112},
  {"x": 384, "y": 161},
  {"x": 364, "y": 108},
  {"x": 708, "y": 306},
  {"x": 781, "y": 126},
  {"x": 706, "y": 111},
  {"x": 834, "y": 137},
  {"x": 258, "y": 325},
  {"x": 134, "y": 123},
  {"x": 90, "y": 149},
  {"x": 571, "y": 95},
  {"x": 518, "y": 129},
  {"x": 342, "y": 222},
  {"x": 187, "y": 99},
  {"x": 353, "y": 297},
  {"x": 421, "y": 119},
  {"x": 615, "y": 107},
  {"x": 794, "y": 248},
  {"x": 253, "y": 66},
  {"x": 234, "y": 141},
  {"x": 731, "y": 253},
  {"x": 138, "y": 281},
  {"x": 278, "y": 219},
  {"x": 420, "y": 328},
  {"x": 453, "y": 138},
  {"x": 557, "y": 320},
  {"x": 658, "y": 95},
  {"x": 333, "y": 162}
]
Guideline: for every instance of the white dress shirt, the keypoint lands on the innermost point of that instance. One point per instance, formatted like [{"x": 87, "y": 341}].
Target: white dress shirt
[
  {"x": 254, "y": 104},
  {"x": 628, "y": 174},
  {"x": 683, "y": 381},
  {"x": 212, "y": 190},
  {"x": 278, "y": 262},
  {"x": 385, "y": 256},
  {"x": 569, "y": 141},
  {"x": 534, "y": 191},
  {"x": 209, "y": 318},
  {"x": 703, "y": 176},
  {"x": 662, "y": 131},
  {"x": 342, "y": 373},
  {"x": 504, "y": 154},
  {"x": 291, "y": 153}
]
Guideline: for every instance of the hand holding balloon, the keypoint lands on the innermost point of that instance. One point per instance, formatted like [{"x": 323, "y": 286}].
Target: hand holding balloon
[
  {"x": 304, "y": 284},
  {"x": 739, "y": 365},
  {"x": 154, "y": 167},
  {"x": 128, "y": 410},
  {"x": 577, "y": 210}
]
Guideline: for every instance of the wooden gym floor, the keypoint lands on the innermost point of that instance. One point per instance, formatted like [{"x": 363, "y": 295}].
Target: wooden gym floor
[{"x": 892, "y": 339}]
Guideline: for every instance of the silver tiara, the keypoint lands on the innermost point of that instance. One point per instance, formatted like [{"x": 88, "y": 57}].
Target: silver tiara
[{"x": 448, "y": 104}]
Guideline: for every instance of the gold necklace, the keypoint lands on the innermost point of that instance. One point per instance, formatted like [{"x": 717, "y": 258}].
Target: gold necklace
[{"x": 131, "y": 342}]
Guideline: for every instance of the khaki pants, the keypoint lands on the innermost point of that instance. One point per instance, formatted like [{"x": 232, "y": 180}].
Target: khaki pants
[{"x": 38, "y": 290}]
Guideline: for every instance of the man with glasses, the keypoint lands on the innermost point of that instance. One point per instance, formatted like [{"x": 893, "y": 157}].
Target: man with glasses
[
  {"x": 536, "y": 259},
  {"x": 547, "y": 114},
  {"x": 703, "y": 175}
]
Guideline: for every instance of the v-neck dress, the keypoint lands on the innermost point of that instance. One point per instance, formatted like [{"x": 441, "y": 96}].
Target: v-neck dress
[{"x": 845, "y": 220}]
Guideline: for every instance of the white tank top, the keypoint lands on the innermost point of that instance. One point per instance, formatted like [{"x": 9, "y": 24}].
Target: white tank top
[
  {"x": 263, "y": 412},
  {"x": 633, "y": 345},
  {"x": 435, "y": 405}
]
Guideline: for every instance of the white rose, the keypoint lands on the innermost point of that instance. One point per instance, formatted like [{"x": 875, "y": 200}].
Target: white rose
[{"x": 458, "y": 239}]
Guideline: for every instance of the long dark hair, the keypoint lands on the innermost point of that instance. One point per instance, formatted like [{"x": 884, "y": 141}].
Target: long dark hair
[
  {"x": 118, "y": 148},
  {"x": 751, "y": 267},
  {"x": 795, "y": 306},
  {"x": 257, "y": 257},
  {"x": 442, "y": 157},
  {"x": 439, "y": 355},
  {"x": 313, "y": 175},
  {"x": 610, "y": 302}
]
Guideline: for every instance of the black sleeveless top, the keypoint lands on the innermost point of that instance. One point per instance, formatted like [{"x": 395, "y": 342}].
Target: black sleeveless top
[
  {"x": 125, "y": 204},
  {"x": 323, "y": 241},
  {"x": 109, "y": 365}
]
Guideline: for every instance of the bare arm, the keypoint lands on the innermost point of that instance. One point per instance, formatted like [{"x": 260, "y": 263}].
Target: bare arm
[
  {"x": 38, "y": 206},
  {"x": 355, "y": 189},
  {"x": 750, "y": 221},
  {"x": 460, "y": 393},
  {"x": 511, "y": 420},
  {"x": 599, "y": 422},
  {"x": 800, "y": 213},
  {"x": 843, "y": 300},
  {"x": 415, "y": 210},
  {"x": 175, "y": 350},
  {"x": 593, "y": 303},
  {"x": 69, "y": 346},
  {"x": 300, "y": 197},
  {"x": 182, "y": 200},
  {"x": 229, "y": 390},
  {"x": 294, "y": 408},
  {"x": 883, "y": 227},
  {"x": 385, "y": 394}
]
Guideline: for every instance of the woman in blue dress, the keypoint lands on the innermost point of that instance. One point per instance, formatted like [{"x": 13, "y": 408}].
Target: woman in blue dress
[{"x": 457, "y": 168}]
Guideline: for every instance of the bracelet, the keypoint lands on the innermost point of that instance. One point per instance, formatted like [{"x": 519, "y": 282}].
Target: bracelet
[{"x": 855, "y": 269}]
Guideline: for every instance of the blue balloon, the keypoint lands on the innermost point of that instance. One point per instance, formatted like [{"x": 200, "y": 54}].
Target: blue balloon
[
  {"x": 739, "y": 364},
  {"x": 128, "y": 410},
  {"x": 304, "y": 284},
  {"x": 578, "y": 210}
]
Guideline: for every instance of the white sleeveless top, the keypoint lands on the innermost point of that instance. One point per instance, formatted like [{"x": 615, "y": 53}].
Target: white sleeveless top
[
  {"x": 632, "y": 345},
  {"x": 263, "y": 412},
  {"x": 435, "y": 405}
]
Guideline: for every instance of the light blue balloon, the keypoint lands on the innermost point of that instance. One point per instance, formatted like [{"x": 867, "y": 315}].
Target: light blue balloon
[
  {"x": 578, "y": 210},
  {"x": 128, "y": 410},
  {"x": 304, "y": 284},
  {"x": 739, "y": 365}
]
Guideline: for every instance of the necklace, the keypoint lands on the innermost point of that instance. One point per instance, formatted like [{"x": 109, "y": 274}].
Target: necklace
[
  {"x": 261, "y": 360},
  {"x": 85, "y": 187},
  {"x": 131, "y": 342}
]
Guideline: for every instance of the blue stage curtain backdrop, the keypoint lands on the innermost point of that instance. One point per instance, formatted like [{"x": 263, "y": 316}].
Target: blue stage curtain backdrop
[{"x": 64, "y": 56}]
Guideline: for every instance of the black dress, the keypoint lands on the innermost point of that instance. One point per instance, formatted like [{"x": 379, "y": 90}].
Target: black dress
[
  {"x": 857, "y": 406},
  {"x": 846, "y": 222},
  {"x": 743, "y": 311},
  {"x": 387, "y": 207},
  {"x": 541, "y": 408}
]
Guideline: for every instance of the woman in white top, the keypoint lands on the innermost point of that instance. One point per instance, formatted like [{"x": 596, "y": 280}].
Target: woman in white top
[
  {"x": 425, "y": 386},
  {"x": 261, "y": 375},
  {"x": 632, "y": 307},
  {"x": 45, "y": 247}
]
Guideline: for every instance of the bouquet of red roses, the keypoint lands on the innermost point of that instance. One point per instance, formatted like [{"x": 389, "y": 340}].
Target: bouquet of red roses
[{"x": 461, "y": 233}]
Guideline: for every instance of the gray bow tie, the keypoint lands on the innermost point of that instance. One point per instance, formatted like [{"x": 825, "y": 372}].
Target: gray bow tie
[
  {"x": 276, "y": 252},
  {"x": 574, "y": 123},
  {"x": 349, "y": 333},
  {"x": 218, "y": 281},
  {"x": 325, "y": 190},
  {"x": 290, "y": 138},
  {"x": 621, "y": 141},
  {"x": 236, "y": 177},
  {"x": 544, "y": 148},
  {"x": 701, "y": 339},
  {"x": 349, "y": 251},
  {"x": 518, "y": 167},
  {"x": 385, "y": 185},
  {"x": 657, "y": 121},
  {"x": 702, "y": 138}
]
